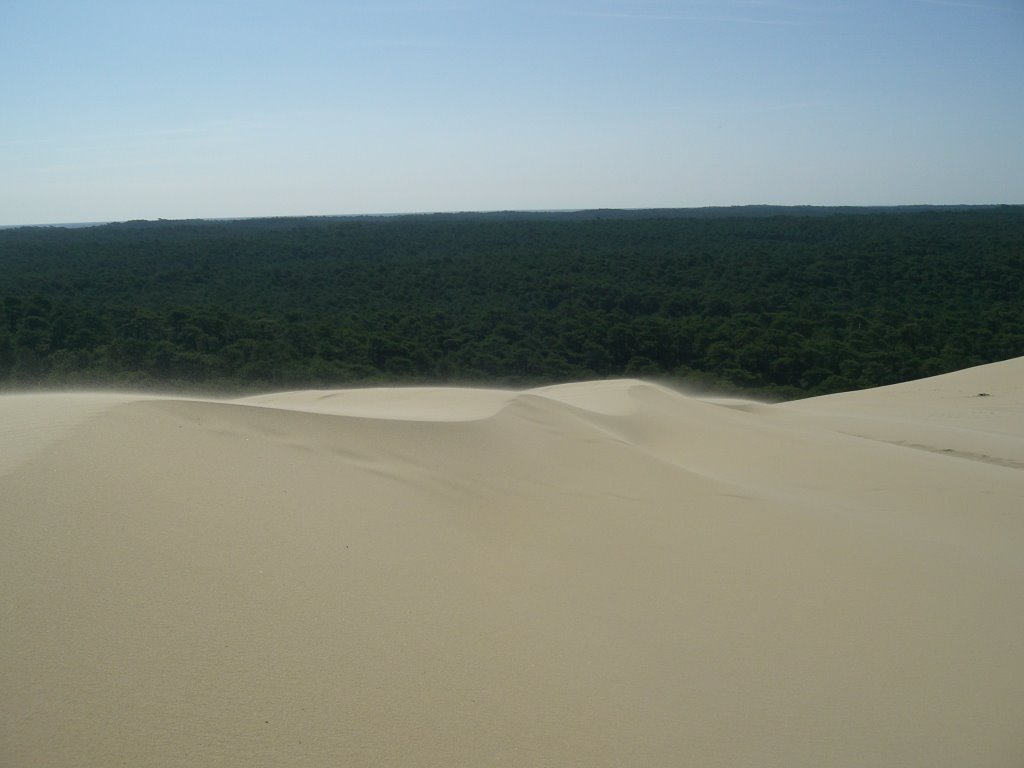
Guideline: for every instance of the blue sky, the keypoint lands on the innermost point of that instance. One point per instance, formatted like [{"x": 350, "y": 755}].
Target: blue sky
[{"x": 135, "y": 109}]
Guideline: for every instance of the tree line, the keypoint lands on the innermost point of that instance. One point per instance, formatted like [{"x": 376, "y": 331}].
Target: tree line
[{"x": 782, "y": 305}]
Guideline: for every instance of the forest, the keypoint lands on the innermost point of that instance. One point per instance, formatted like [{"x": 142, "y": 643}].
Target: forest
[{"x": 781, "y": 305}]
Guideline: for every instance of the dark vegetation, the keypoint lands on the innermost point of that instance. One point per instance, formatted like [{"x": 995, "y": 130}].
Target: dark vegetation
[{"x": 786, "y": 305}]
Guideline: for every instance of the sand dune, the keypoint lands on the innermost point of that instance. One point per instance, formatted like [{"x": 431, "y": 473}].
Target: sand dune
[{"x": 598, "y": 574}]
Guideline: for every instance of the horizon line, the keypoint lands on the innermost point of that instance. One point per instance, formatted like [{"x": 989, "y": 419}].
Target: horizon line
[{"x": 491, "y": 211}]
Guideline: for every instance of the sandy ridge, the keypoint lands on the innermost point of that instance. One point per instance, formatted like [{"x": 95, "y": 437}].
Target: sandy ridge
[{"x": 605, "y": 573}]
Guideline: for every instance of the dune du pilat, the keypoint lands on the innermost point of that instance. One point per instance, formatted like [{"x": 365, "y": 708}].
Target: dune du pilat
[{"x": 610, "y": 572}]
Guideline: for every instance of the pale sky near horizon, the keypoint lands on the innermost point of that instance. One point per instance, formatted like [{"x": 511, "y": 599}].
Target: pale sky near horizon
[{"x": 130, "y": 109}]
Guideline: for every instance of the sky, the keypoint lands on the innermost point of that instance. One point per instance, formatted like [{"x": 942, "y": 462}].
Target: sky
[{"x": 130, "y": 109}]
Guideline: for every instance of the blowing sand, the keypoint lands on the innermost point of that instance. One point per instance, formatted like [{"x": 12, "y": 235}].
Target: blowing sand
[{"x": 599, "y": 574}]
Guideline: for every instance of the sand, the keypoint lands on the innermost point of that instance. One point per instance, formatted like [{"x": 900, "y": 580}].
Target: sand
[{"x": 597, "y": 574}]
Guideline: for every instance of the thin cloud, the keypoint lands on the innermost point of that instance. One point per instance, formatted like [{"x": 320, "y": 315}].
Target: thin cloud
[
  {"x": 698, "y": 19},
  {"x": 100, "y": 165},
  {"x": 777, "y": 5},
  {"x": 975, "y": 6},
  {"x": 29, "y": 141},
  {"x": 217, "y": 130},
  {"x": 422, "y": 7},
  {"x": 160, "y": 133},
  {"x": 405, "y": 43}
]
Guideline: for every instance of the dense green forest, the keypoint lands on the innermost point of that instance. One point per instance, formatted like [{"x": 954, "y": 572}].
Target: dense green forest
[{"x": 785, "y": 305}]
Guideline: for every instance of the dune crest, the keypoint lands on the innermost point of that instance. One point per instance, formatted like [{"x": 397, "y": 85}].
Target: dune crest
[
  {"x": 594, "y": 574},
  {"x": 393, "y": 403}
]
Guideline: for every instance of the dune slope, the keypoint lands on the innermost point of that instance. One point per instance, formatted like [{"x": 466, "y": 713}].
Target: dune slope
[{"x": 597, "y": 574}]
